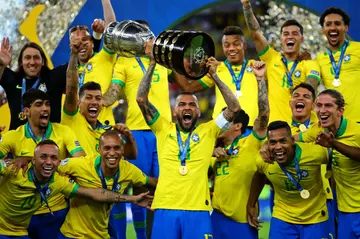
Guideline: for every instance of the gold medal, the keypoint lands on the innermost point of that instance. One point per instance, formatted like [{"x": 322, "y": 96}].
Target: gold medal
[
  {"x": 302, "y": 128},
  {"x": 22, "y": 116},
  {"x": 183, "y": 170},
  {"x": 328, "y": 174},
  {"x": 238, "y": 94},
  {"x": 336, "y": 82},
  {"x": 305, "y": 194}
]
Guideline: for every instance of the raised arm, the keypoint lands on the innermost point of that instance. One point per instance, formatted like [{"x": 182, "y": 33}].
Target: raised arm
[
  {"x": 261, "y": 122},
  {"x": 112, "y": 94},
  {"x": 5, "y": 55},
  {"x": 148, "y": 110},
  {"x": 254, "y": 27},
  {"x": 233, "y": 106},
  {"x": 109, "y": 14},
  {"x": 130, "y": 150},
  {"x": 186, "y": 85},
  {"x": 72, "y": 77}
]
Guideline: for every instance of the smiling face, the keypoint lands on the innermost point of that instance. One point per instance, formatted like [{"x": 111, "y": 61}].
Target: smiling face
[
  {"x": 281, "y": 145},
  {"x": 111, "y": 150},
  {"x": 234, "y": 48},
  {"x": 328, "y": 113},
  {"x": 291, "y": 39},
  {"x": 32, "y": 62},
  {"x": 301, "y": 103},
  {"x": 90, "y": 104},
  {"x": 186, "y": 111},
  {"x": 39, "y": 113},
  {"x": 334, "y": 29},
  {"x": 45, "y": 161}
]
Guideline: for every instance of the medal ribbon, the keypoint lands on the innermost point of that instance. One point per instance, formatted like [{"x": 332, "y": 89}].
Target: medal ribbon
[
  {"x": 32, "y": 135},
  {"x": 289, "y": 73},
  {"x": 141, "y": 64},
  {"x": 82, "y": 78},
  {"x": 183, "y": 148},
  {"x": 333, "y": 62},
  {"x": 291, "y": 177},
  {"x": 42, "y": 190},
  {"x": 296, "y": 124},
  {"x": 329, "y": 163},
  {"x": 103, "y": 181},
  {"x": 237, "y": 79},
  {"x": 23, "y": 89}
]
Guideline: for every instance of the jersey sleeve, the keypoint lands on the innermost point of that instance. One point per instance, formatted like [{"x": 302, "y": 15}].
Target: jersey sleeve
[
  {"x": 313, "y": 70},
  {"x": 106, "y": 55},
  {"x": 261, "y": 165},
  {"x": 8, "y": 144},
  {"x": 72, "y": 166},
  {"x": 159, "y": 124},
  {"x": 310, "y": 135},
  {"x": 70, "y": 140},
  {"x": 267, "y": 54},
  {"x": 66, "y": 187},
  {"x": 138, "y": 178},
  {"x": 206, "y": 82},
  {"x": 119, "y": 72},
  {"x": 68, "y": 118}
]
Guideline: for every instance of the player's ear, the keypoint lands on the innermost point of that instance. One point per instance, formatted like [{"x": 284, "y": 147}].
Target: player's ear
[{"x": 27, "y": 111}]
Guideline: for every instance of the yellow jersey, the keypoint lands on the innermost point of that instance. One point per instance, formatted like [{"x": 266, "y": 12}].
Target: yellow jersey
[
  {"x": 191, "y": 191},
  {"x": 99, "y": 69},
  {"x": 80, "y": 221},
  {"x": 296, "y": 128},
  {"x": 128, "y": 73},
  {"x": 349, "y": 72},
  {"x": 19, "y": 198},
  {"x": 229, "y": 174},
  {"x": 249, "y": 89},
  {"x": 278, "y": 85},
  {"x": 85, "y": 133},
  {"x": 20, "y": 144},
  {"x": 345, "y": 170},
  {"x": 288, "y": 204}
]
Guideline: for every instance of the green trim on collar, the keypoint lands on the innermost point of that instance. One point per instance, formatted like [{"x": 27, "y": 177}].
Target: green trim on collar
[
  {"x": 97, "y": 164},
  {"x": 342, "y": 128},
  {"x": 298, "y": 152},
  {"x": 48, "y": 131}
]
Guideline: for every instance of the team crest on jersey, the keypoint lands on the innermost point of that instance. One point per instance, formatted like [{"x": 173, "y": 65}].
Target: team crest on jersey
[
  {"x": 347, "y": 58},
  {"x": 249, "y": 69},
  {"x": 118, "y": 187},
  {"x": 48, "y": 192},
  {"x": 89, "y": 67},
  {"x": 3, "y": 164},
  {"x": 42, "y": 87},
  {"x": 235, "y": 151},
  {"x": 297, "y": 74},
  {"x": 64, "y": 162},
  {"x": 304, "y": 174},
  {"x": 195, "y": 138}
]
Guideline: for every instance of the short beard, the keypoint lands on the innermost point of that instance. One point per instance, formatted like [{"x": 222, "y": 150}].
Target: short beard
[{"x": 193, "y": 122}]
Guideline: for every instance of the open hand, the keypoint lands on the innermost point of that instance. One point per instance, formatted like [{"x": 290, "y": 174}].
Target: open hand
[
  {"x": 5, "y": 52},
  {"x": 143, "y": 200}
]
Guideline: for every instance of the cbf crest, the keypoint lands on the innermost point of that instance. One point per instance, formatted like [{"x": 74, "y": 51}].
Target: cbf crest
[
  {"x": 249, "y": 69},
  {"x": 42, "y": 87},
  {"x": 297, "y": 74},
  {"x": 118, "y": 187},
  {"x": 235, "y": 151},
  {"x": 89, "y": 67},
  {"x": 347, "y": 58},
  {"x": 48, "y": 192},
  {"x": 304, "y": 173},
  {"x": 195, "y": 138}
]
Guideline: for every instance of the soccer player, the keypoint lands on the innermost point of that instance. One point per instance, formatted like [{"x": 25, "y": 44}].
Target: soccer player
[
  {"x": 96, "y": 67},
  {"x": 21, "y": 143},
  {"x": 25, "y": 193},
  {"x": 300, "y": 203},
  {"x": 342, "y": 137},
  {"x": 184, "y": 158},
  {"x": 236, "y": 73},
  {"x": 285, "y": 70},
  {"x": 108, "y": 171},
  {"x": 340, "y": 64},
  {"x": 232, "y": 184}
]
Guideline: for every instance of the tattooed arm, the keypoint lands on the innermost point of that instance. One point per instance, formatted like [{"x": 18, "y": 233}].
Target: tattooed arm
[
  {"x": 72, "y": 78},
  {"x": 108, "y": 11},
  {"x": 261, "y": 122},
  {"x": 254, "y": 27},
  {"x": 112, "y": 94},
  {"x": 233, "y": 106}
]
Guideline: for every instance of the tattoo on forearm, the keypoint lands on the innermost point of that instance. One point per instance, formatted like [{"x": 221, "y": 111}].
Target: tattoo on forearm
[
  {"x": 148, "y": 110},
  {"x": 145, "y": 83},
  {"x": 263, "y": 103},
  {"x": 112, "y": 94},
  {"x": 72, "y": 81},
  {"x": 250, "y": 19}
]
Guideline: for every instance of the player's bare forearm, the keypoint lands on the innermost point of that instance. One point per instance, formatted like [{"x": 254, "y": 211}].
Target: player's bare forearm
[
  {"x": 72, "y": 81},
  {"x": 349, "y": 151},
  {"x": 186, "y": 85},
  {"x": 130, "y": 150},
  {"x": 313, "y": 82},
  {"x": 262, "y": 120},
  {"x": 233, "y": 106},
  {"x": 109, "y": 14},
  {"x": 254, "y": 27},
  {"x": 257, "y": 184},
  {"x": 102, "y": 195},
  {"x": 112, "y": 94}
]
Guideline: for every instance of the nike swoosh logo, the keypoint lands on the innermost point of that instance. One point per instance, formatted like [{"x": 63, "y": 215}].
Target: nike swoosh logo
[
  {"x": 270, "y": 173},
  {"x": 18, "y": 87},
  {"x": 136, "y": 66},
  {"x": 276, "y": 65},
  {"x": 172, "y": 137},
  {"x": 23, "y": 153}
]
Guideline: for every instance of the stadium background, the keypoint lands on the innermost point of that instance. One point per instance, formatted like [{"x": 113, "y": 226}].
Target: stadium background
[{"x": 47, "y": 23}]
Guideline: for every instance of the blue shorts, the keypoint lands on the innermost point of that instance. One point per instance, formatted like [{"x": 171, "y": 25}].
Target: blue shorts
[
  {"x": 61, "y": 236},
  {"x": 280, "y": 230},
  {"x": 14, "y": 237},
  {"x": 45, "y": 226},
  {"x": 181, "y": 224},
  {"x": 147, "y": 159},
  {"x": 349, "y": 225},
  {"x": 331, "y": 221},
  {"x": 226, "y": 228}
]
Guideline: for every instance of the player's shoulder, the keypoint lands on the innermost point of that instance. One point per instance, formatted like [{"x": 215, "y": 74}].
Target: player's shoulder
[
  {"x": 309, "y": 148},
  {"x": 350, "y": 125},
  {"x": 61, "y": 127},
  {"x": 354, "y": 44},
  {"x": 15, "y": 134}
]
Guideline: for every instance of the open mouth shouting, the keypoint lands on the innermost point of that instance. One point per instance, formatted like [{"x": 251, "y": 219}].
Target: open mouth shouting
[
  {"x": 324, "y": 119},
  {"x": 333, "y": 36},
  {"x": 299, "y": 106},
  {"x": 279, "y": 155},
  {"x": 47, "y": 171},
  {"x": 290, "y": 44},
  {"x": 44, "y": 118},
  {"x": 187, "y": 118},
  {"x": 93, "y": 111}
]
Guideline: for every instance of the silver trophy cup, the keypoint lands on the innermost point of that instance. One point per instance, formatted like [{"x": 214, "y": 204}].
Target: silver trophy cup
[{"x": 127, "y": 38}]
